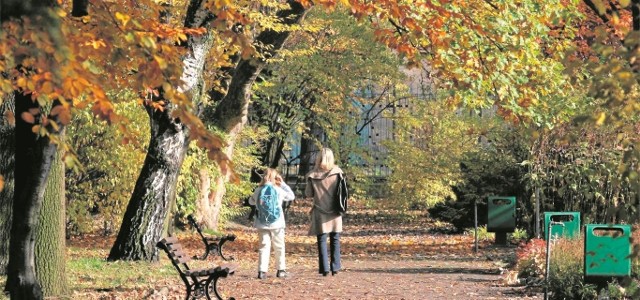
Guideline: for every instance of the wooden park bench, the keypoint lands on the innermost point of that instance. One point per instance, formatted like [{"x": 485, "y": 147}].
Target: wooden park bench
[
  {"x": 199, "y": 282},
  {"x": 212, "y": 244}
]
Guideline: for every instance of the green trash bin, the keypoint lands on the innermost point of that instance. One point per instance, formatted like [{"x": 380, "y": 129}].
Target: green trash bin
[
  {"x": 570, "y": 220},
  {"x": 607, "y": 250},
  {"x": 502, "y": 214}
]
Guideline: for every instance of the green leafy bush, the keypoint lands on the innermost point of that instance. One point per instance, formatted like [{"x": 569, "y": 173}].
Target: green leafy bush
[
  {"x": 518, "y": 235},
  {"x": 565, "y": 279},
  {"x": 566, "y": 271},
  {"x": 423, "y": 156},
  {"x": 491, "y": 169},
  {"x": 98, "y": 195}
]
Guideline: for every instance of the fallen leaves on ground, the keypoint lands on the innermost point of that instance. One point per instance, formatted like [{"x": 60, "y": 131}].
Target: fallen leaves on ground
[{"x": 386, "y": 255}]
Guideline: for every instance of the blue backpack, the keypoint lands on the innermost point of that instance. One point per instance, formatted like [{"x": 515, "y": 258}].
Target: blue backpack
[{"x": 267, "y": 206}]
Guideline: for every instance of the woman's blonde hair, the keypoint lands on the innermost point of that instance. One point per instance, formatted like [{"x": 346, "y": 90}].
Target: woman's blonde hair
[
  {"x": 325, "y": 160},
  {"x": 269, "y": 176}
]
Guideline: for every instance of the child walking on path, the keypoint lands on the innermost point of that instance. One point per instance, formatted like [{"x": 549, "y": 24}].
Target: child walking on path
[{"x": 268, "y": 199}]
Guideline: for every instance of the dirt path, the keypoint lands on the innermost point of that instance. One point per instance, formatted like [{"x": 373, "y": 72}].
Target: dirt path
[
  {"x": 386, "y": 278},
  {"x": 385, "y": 257}
]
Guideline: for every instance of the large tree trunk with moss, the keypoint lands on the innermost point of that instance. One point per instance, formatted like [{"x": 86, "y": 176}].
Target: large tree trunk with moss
[
  {"x": 50, "y": 241},
  {"x": 7, "y": 151},
  {"x": 33, "y": 158},
  {"x": 155, "y": 190}
]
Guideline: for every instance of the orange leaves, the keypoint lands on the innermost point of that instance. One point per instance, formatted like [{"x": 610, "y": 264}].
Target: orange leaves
[
  {"x": 123, "y": 19},
  {"x": 74, "y": 87},
  {"x": 104, "y": 110},
  {"x": 96, "y": 44},
  {"x": 28, "y": 117},
  {"x": 10, "y": 118},
  {"x": 1, "y": 182},
  {"x": 61, "y": 113},
  {"x": 155, "y": 105}
]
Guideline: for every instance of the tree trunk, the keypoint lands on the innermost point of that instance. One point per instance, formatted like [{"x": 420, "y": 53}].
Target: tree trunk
[
  {"x": 231, "y": 113},
  {"x": 308, "y": 148},
  {"x": 7, "y": 159},
  {"x": 155, "y": 190},
  {"x": 273, "y": 152},
  {"x": 33, "y": 158},
  {"x": 215, "y": 197},
  {"x": 205, "y": 210},
  {"x": 154, "y": 193},
  {"x": 50, "y": 241}
]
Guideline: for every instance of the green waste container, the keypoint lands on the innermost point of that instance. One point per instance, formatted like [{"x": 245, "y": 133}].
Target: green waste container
[
  {"x": 502, "y": 214},
  {"x": 607, "y": 250},
  {"x": 570, "y": 220}
]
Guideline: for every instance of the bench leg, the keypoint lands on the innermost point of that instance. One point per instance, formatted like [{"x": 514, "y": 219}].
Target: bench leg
[
  {"x": 212, "y": 286},
  {"x": 220, "y": 251},
  {"x": 211, "y": 248},
  {"x": 197, "y": 289},
  {"x": 188, "y": 293}
]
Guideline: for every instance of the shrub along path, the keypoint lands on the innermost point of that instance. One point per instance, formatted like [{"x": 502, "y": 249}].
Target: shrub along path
[{"x": 386, "y": 255}]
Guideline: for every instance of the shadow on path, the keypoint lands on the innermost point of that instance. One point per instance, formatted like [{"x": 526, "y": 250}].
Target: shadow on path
[{"x": 429, "y": 270}]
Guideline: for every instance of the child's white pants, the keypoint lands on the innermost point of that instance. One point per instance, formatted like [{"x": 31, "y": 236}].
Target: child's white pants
[{"x": 269, "y": 237}]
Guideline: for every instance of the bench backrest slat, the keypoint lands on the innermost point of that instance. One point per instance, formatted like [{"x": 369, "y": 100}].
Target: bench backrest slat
[
  {"x": 176, "y": 253},
  {"x": 179, "y": 257}
]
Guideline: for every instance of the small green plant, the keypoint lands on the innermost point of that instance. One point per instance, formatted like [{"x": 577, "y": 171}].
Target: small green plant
[
  {"x": 627, "y": 289},
  {"x": 483, "y": 234},
  {"x": 518, "y": 236}
]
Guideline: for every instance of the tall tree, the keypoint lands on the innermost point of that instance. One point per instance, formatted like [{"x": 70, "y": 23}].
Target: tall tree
[
  {"x": 614, "y": 76},
  {"x": 331, "y": 70},
  {"x": 34, "y": 154},
  {"x": 155, "y": 189},
  {"x": 48, "y": 75},
  {"x": 154, "y": 193},
  {"x": 7, "y": 150},
  {"x": 50, "y": 254}
]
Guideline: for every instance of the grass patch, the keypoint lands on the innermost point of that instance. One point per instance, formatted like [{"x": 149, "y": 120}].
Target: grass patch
[{"x": 87, "y": 269}]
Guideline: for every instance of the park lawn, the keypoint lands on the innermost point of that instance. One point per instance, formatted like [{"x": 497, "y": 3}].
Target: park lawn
[
  {"x": 87, "y": 269},
  {"x": 90, "y": 275}
]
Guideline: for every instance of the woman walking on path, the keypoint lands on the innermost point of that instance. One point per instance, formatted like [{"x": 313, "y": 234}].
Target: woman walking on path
[{"x": 322, "y": 183}]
